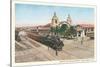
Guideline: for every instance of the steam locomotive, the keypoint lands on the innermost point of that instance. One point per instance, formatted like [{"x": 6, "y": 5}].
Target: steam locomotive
[{"x": 53, "y": 42}]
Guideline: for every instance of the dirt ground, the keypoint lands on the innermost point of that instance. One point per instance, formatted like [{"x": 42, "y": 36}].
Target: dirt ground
[{"x": 73, "y": 49}]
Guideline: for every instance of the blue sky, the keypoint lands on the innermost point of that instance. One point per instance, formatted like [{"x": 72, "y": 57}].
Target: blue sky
[{"x": 40, "y": 14}]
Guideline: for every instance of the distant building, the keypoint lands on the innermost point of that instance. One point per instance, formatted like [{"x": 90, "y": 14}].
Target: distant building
[
  {"x": 55, "y": 21},
  {"x": 86, "y": 27}
]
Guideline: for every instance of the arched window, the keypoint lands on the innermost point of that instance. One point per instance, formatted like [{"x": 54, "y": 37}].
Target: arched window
[{"x": 56, "y": 21}]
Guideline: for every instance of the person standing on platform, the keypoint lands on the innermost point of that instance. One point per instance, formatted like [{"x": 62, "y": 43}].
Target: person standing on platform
[{"x": 82, "y": 36}]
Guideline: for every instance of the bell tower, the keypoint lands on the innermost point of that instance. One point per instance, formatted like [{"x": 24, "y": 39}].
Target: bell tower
[
  {"x": 55, "y": 21},
  {"x": 69, "y": 20}
]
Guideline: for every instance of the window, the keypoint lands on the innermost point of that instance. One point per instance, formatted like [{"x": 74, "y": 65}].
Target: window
[{"x": 56, "y": 21}]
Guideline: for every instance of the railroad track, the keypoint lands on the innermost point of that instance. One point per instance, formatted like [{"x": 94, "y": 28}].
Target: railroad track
[{"x": 42, "y": 51}]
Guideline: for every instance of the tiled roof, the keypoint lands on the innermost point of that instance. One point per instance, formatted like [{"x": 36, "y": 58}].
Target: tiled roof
[{"x": 86, "y": 25}]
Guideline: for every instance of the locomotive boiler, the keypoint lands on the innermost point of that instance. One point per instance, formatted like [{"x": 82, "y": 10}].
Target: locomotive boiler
[{"x": 53, "y": 42}]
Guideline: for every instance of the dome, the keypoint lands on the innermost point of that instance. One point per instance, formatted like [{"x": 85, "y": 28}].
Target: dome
[{"x": 55, "y": 16}]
